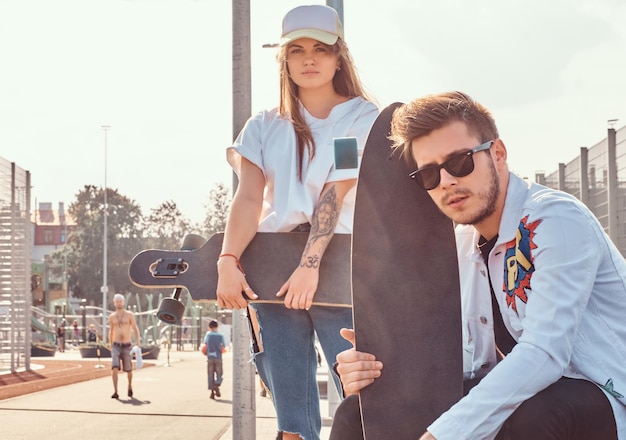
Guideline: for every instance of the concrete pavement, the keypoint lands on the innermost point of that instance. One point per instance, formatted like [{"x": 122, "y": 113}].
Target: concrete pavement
[{"x": 170, "y": 401}]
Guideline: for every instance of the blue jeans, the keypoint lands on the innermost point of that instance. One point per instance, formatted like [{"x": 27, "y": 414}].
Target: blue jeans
[
  {"x": 214, "y": 371},
  {"x": 288, "y": 362}
]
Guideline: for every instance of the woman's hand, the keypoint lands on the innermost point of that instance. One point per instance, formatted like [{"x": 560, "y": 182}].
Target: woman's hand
[
  {"x": 231, "y": 283},
  {"x": 300, "y": 288}
]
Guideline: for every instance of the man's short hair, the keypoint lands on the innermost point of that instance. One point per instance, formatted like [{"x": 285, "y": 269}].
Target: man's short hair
[
  {"x": 422, "y": 116},
  {"x": 213, "y": 324},
  {"x": 118, "y": 296}
]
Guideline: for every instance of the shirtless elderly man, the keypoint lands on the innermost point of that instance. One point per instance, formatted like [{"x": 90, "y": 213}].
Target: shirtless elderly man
[{"x": 121, "y": 324}]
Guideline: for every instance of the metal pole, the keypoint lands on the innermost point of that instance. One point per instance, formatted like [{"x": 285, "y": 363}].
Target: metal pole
[
  {"x": 84, "y": 312},
  {"x": 27, "y": 272},
  {"x": 337, "y": 5},
  {"x": 65, "y": 286},
  {"x": 105, "y": 286},
  {"x": 612, "y": 185},
  {"x": 332, "y": 394},
  {"x": 200, "y": 329},
  {"x": 244, "y": 404}
]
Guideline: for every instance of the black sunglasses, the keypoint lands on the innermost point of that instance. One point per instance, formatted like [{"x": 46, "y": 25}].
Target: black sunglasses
[{"x": 459, "y": 165}]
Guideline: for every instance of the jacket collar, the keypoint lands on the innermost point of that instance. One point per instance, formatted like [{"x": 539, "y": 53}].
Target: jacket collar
[{"x": 516, "y": 195}]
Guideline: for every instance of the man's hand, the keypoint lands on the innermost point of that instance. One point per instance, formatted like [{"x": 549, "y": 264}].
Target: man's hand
[
  {"x": 356, "y": 369},
  {"x": 427, "y": 436}
]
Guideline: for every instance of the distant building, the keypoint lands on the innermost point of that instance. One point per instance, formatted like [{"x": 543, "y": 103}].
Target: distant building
[
  {"x": 51, "y": 228},
  {"x": 598, "y": 178}
]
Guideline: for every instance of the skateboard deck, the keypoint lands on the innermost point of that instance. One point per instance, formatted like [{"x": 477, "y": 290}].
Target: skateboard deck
[
  {"x": 269, "y": 261},
  {"x": 405, "y": 294}
]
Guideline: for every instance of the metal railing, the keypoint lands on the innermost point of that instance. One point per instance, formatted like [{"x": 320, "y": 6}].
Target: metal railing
[{"x": 15, "y": 298}]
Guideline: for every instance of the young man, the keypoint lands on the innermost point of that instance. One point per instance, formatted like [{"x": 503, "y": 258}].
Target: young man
[
  {"x": 550, "y": 356},
  {"x": 122, "y": 325},
  {"x": 214, "y": 341}
]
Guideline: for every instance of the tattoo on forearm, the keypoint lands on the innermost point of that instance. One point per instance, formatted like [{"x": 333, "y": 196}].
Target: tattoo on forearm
[
  {"x": 311, "y": 262},
  {"x": 325, "y": 216},
  {"x": 323, "y": 224}
]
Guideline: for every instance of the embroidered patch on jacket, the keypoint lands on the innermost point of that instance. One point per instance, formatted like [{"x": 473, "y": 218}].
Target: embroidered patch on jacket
[
  {"x": 608, "y": 387},
  {"x": 518, "y": 263}
]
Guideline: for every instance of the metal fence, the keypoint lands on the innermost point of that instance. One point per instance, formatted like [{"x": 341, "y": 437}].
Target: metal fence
[
  {"x": 598, "y": 178},
  {"x": 15, "y": 298}
]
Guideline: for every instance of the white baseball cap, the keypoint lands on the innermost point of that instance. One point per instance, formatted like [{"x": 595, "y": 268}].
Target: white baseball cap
[{"x": 319, "y": 22}]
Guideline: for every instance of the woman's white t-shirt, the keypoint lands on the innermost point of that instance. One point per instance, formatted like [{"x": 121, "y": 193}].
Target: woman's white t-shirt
[{"x": 269, "y": 141}]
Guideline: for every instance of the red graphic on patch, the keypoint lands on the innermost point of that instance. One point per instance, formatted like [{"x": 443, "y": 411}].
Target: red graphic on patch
[{"x": 518, "y": 263}]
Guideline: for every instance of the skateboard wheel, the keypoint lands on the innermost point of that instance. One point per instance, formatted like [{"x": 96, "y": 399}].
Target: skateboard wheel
[
  {"x": 171, "y": 311},
  {"x": 192, "y": 242}
]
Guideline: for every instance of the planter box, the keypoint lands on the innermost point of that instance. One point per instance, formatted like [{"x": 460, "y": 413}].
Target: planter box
[
  {"x": 42, "y": 350},
  {"x": 91, "y": 351},
  {"x": 150, "y": 351}
]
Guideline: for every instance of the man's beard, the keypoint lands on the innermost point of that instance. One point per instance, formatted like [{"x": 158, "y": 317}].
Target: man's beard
[{"x": 488, "y": 197}]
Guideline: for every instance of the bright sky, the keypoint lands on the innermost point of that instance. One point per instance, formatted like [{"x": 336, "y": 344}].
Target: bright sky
[{"x": 159, "y": 73}]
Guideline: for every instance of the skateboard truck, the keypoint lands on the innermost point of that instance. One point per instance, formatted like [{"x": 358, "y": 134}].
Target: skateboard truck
[{"x": 171, "y": 309}]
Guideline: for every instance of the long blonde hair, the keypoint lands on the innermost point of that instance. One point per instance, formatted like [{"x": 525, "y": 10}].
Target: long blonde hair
[{"x": 346, "y": 82}]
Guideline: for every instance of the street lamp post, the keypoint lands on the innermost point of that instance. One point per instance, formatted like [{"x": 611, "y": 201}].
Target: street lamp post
[
  {"x": 83, "y": 309},
  {"x": 200, "y": 328},
  {"x": 337, "y": 5},
  {"x": 105, "y": 286},
  {"x": 244, "y": 406}
]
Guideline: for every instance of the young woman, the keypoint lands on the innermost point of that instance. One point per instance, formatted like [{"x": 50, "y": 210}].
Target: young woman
[{"x": 284, "y": 159}]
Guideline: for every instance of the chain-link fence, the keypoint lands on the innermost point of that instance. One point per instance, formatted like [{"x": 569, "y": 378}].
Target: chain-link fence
[{"x": 15, "y": 244}]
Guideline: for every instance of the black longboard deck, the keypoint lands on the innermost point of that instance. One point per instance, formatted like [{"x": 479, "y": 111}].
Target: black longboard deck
[
  {"x": 269, "y": 261},
  {"x": 405, "y": 292}
]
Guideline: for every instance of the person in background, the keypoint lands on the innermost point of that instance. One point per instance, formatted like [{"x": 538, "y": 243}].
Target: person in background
[
  {"x": 92, "y": 337},
  {"x": 61, "y": 336},
  {"x": 215, "y": 344},
  {"x": 122, "y": 327},
  {"x": 186, "y": 332},
  {"x": 76, "y": 338},
  {"x": 284, "y": 159}
]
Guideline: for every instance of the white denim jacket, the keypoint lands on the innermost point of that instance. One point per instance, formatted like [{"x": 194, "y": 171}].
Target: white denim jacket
[{"x": 561, "y": 288}]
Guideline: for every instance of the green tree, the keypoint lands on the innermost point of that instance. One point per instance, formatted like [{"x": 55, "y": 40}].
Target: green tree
[
  {"x": 166, "y": 227},
  {"x": 217, "y": 210},
  {"x": 85, "y": 246},
  {"x": 128, "y": 232}
]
